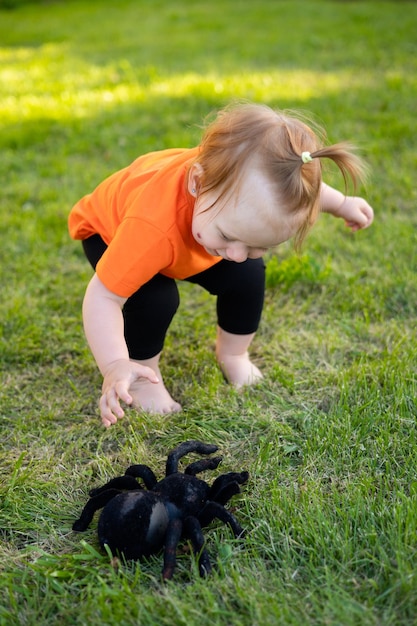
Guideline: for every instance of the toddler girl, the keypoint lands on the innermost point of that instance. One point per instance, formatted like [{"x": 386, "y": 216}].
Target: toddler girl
[{"x": 206, "y": 215}]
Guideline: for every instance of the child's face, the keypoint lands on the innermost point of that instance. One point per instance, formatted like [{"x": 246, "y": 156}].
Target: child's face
[{"x": 244, "y": 224}]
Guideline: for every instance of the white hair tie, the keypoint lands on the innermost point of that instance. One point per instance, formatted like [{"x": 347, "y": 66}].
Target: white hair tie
[{"x": 306, "y": 157}]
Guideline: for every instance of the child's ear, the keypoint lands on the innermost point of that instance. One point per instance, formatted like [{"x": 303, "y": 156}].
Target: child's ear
[{"x": 194, "y": 178}]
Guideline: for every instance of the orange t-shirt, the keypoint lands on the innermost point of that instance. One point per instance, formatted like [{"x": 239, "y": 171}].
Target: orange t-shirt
[{"x": 144, "y": 214}]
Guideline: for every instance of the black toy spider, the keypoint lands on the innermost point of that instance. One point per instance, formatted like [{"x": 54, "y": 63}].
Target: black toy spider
[{"x": 136, "y": 523}]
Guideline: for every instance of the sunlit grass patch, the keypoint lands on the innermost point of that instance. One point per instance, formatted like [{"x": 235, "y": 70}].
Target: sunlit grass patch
[{"x": 53, "y": 82}]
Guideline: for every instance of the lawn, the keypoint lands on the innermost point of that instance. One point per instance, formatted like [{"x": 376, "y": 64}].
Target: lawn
[{"x": 329, "y": 438}]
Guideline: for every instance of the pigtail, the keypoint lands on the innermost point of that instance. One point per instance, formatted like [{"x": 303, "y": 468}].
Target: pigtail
[
  {"x": 351, "y": 166},
  {"x": 306, "y": 177}
]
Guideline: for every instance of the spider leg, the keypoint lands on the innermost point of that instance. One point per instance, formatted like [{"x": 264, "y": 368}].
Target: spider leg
[
  {"x": 201, "y": 466},
  {"x": 183, "y": 449},
  {"x": 192, "y": 531},
  {"x": 145, "y": 473},
  {"x": 172, "y": 537},
  {"x": 214, "y": 510},
  {"x": 127, "y": 483},
  {"x": 227, "y": 492},
  {"x": 222, "y": 481},
  {"x": 94, "y": 503}
]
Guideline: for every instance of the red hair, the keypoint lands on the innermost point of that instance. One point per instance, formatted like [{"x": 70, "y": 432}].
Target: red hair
[{"x": 242, "y": 132}]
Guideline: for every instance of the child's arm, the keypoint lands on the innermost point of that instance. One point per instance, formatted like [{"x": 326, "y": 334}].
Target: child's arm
[
  {"x": 103, "y": 325},
  {"x": 356, "y": 212}
]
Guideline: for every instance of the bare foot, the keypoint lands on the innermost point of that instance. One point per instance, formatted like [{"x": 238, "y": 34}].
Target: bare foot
[
  {"x": 233, "y": 358},
  {"x": 153, "y": 397},
  {"x": 239, "y": 370}
]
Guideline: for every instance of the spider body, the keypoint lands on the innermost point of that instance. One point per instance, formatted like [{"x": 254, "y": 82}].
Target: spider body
[{"x": 137, "y": 522}]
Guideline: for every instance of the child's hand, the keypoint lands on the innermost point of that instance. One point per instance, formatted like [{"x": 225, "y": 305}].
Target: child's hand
[
  {"x": 118, "y": 378},
  {"x": 356, "y": 212}
]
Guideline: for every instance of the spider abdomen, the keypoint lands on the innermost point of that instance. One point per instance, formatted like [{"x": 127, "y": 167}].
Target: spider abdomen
[{"x": 134, "y": 524}]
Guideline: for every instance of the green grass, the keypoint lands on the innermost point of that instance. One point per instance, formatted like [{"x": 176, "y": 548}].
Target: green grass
[{"x": 330, "y": 437}]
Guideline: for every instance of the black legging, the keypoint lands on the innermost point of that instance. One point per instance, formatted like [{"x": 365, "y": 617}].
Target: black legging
[{"x": 239, "y": 288}]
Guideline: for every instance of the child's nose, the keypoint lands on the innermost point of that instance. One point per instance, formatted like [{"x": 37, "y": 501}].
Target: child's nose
[{"x": 237, "y": 252}]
